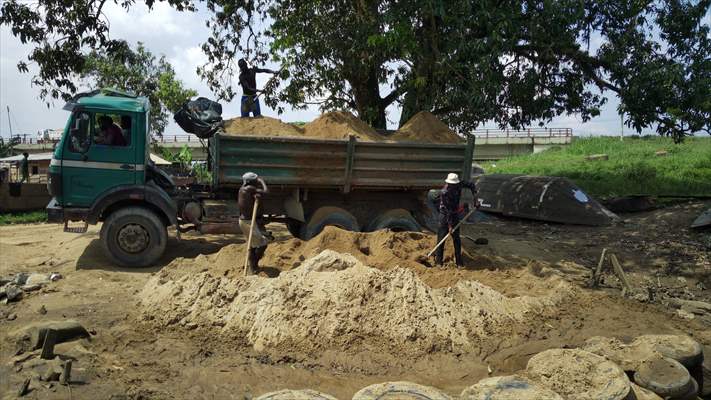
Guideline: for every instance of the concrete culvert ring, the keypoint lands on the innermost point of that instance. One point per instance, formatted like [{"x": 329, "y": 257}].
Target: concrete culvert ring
[
  {"x": 286, "y": 394},
  {"x": 578, "y": 375},
  {"x": 640, "y": 393},
  {"x": 508, "y": 388},
  {"x": 399, "y": 391},
  {"x": 692, "y": 393},
  {"x": 626, "y": 356},
  {"x": 397, "y": 220},
  {"x": 681, "y": 348},
  {"x": 328, "y": 216},
  {"x": 664, "y": 376}
]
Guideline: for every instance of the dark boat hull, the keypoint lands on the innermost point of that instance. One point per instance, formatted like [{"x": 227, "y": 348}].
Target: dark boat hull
[
  {"x": 542, "y": 198},
  {"x": 702, "y": 220}
]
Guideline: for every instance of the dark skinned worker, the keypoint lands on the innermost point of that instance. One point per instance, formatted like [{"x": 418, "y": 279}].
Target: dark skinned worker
[
  {"x": 25, "y": 167},
  {"x": 253, "y": 187},
  {"x": 248, "y": 81},
  {"x": 449, "y": 216}
]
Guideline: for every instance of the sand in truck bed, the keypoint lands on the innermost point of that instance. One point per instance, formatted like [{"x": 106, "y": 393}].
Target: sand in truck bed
[{"x": 424, "y": 127}]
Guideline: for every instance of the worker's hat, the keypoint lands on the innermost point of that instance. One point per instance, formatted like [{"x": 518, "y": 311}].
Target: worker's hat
[
  {"x": 452, "y": 178},
  {"x": 249, "y": 176}
]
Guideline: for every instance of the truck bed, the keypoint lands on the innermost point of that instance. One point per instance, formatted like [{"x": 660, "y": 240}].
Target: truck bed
[{"x": 345, "y": 165}]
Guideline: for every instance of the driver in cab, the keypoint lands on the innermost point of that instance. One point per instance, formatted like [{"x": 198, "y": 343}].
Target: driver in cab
[{"x": 109, "y": 133}]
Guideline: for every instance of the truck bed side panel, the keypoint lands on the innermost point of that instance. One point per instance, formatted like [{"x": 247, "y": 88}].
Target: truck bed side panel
[{"x": 321, "y": 163}]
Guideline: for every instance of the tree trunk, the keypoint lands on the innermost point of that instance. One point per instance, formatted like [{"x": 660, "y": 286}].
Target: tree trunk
[{"x": 369, "y": 104}]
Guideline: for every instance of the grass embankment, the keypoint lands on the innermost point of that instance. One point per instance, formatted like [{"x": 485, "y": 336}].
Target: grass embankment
[
  {"x": 28, "y": 217},
  {"x": 632, "y": 168}
]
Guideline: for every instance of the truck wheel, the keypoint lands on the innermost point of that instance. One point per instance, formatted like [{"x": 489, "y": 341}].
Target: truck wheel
[
  {"x": 326, "y": 216},
  {"x": 294, "y": 226},
  {"x": 398, "y": 220},
  {"x": 134, "y": 237}
]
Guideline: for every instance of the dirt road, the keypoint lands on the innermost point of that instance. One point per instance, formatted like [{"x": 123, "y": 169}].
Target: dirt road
[{"x": 131, "y": 356}]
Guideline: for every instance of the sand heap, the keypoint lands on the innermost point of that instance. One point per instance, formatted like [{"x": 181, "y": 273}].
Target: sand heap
[
  {"x": 340, "y": 124},
  {"x": 424, "y": 127},
  {"x": 334, "y": 301},
  {"x": 260, "y": 126}
]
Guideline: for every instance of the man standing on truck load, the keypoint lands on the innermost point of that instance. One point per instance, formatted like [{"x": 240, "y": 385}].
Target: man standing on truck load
[
  {"x": 449, "y": 216},
  {"x": 253, "y": 187},
  {"x": 25, "y": 167},
  {"x": 248, "y": 81}
]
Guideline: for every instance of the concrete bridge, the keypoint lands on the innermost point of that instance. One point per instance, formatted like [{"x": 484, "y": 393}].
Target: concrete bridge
[{"x": 490, "y": 144}]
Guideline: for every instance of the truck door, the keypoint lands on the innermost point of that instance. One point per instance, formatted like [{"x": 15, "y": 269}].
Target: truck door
[{"x": 100, "y": 154}]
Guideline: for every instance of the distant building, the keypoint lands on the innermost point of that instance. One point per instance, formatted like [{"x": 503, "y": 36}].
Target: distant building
[
  {"x": 51, "y": 135},
  {"x": 38, "y": 164}
]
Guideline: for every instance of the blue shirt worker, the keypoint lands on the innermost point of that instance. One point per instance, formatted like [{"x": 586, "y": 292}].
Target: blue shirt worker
[
  {"x": 248, "y": 81},
  {"x": 449, "y": 216}
]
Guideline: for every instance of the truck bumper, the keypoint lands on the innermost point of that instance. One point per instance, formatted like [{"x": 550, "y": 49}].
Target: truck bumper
[
  {"x": 58, "y": 214},
  {"x": 55, "y": 212}
]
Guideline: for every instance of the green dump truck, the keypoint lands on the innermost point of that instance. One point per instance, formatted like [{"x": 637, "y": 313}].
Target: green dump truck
[{"x": 96, "y": 176}]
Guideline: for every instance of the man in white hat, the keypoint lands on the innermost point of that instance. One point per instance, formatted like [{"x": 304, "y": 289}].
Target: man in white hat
[
  {"x": 449, "y": 216},
  {"x": 253, "y": 187}
]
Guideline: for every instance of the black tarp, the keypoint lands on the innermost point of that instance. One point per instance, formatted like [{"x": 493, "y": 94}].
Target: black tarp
[{"x": 201, "y": 117}]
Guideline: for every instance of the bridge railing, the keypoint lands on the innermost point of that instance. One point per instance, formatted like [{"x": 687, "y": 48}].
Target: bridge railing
[
  {"x": 482, "y": 133},
  {"x": 176, "y": 138},
  {"x": 517, "y": 133}
]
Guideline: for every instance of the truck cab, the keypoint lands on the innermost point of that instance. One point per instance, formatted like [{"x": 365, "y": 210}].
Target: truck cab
[{"x": 101, "y": 171}]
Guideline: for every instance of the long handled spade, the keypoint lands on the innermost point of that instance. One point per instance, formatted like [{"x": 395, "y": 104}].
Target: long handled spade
[
  {"x": 249, "y": 237},
  {"x": 450, "y": 232}
]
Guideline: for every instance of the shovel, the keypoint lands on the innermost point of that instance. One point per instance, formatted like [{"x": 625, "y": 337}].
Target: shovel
[{"x": 249, "y": 237}]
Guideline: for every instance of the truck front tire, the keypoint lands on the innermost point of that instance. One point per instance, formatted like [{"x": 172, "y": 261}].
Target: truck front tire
[{"x": 134, "y": 237}]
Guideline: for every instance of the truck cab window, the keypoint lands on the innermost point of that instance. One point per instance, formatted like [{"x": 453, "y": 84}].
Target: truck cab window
[
  {"x": 113, "y": 130},
  {"x": 80, "y": 133}
]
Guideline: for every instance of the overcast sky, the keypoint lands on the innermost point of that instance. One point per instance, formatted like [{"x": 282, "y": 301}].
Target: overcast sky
[{"x": 178, "y": 36}]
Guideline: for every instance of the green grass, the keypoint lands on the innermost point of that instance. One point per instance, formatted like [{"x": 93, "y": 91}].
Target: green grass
[
  {"x": 28, "y": 217},
  {"x": 632, "y": 168}
]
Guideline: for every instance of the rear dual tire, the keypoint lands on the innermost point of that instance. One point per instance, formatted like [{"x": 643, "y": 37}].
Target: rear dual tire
[
  {"x": 396, "y": 220},
  {"x": 328, "y": 216}
]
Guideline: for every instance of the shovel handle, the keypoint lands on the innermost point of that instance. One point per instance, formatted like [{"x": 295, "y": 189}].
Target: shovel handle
[
  {"x": 249, "y": 237},
  {"x": 450, "y": 232}
]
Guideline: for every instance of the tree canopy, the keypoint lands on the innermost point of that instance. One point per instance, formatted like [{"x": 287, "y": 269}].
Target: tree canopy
[
  {"x": 142, "y": 73},
  {"x": 513, "y": 62}
]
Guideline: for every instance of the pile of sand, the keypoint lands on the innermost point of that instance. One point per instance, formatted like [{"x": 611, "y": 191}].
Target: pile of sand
[
  {"x": 424, "y": 127},
  {"x": 334, "y": 301},
  {"x": 339, "y": 125},
  {"x": 260, "y": 126},
  {"x": 380, "y": 249}
]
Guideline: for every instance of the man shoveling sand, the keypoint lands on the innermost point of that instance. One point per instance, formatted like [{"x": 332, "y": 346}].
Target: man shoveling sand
[{"x": 253, "y": 188}]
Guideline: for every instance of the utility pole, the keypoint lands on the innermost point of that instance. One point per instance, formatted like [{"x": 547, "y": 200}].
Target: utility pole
[
  {"x": 622, "y": 126},
  {"x": 8, "y": 121}
]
